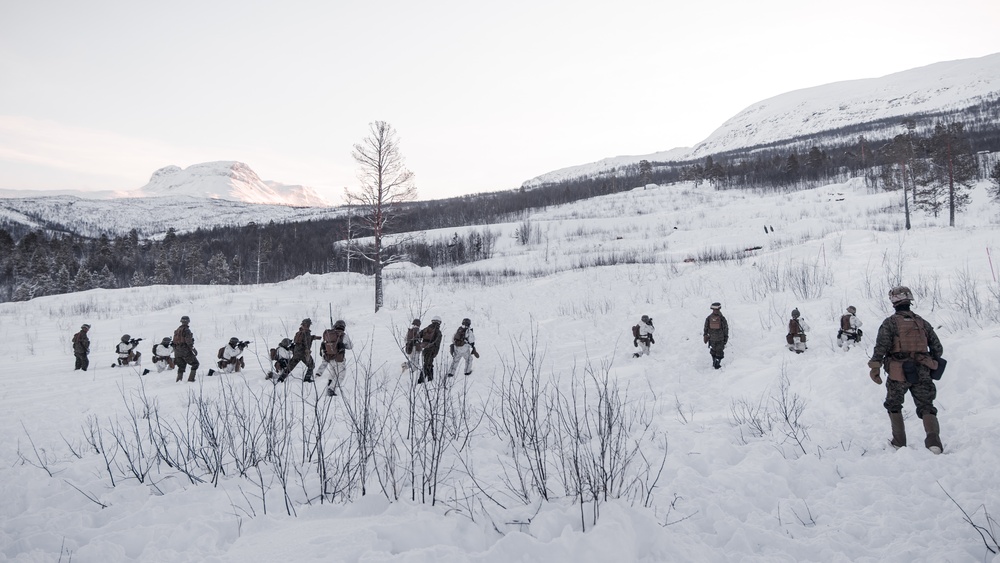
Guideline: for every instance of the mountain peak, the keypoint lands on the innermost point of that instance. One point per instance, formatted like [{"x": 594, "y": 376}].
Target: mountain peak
[{"x": 229, "y": 180}]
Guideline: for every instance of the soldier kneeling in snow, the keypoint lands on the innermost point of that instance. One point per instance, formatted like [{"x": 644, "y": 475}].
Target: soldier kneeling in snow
[
  {"x": 127, "y": 354},
  {"x": 282, "y": 356},
  {"x": 161, "y": 355},
  {"x": 231, "y": 356}
]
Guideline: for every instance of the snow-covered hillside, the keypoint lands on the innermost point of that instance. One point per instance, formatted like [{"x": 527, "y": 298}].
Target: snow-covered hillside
[
  {"x": 942, "y": 87},
  {"x": 233, "y": 181},
  {"x": 149, "y": 216},
  {"x": 774, "y": 457}
]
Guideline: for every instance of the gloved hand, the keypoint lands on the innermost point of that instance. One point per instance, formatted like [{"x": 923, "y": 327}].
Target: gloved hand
[
  {"x": 651, "y": 341},
  {"x": 635, "y": 342},
  {"x": 875, "y": 367},
  {"x": 451, "y": 348},
  {"x": 706, "y": 339}
]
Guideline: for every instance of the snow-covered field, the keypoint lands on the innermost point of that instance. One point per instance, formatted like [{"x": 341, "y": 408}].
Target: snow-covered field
[{"x": 709, "y": 470}]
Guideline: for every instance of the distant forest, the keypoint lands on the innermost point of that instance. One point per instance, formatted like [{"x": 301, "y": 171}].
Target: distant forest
[{"x": 41, "y": 263}]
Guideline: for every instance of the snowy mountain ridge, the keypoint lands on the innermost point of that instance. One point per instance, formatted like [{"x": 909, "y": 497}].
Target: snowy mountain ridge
[
  {"x": 944, "y": 87},
  {"x": 230, "y": 180}
]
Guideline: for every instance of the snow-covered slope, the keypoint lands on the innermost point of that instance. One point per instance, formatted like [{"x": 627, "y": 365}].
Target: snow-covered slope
[
  {"x": 149, "y": 216},
  {"x": 774, "y": 457},
  {"x": 938, "y": 88},
  {"x": 234, "y": 181}
]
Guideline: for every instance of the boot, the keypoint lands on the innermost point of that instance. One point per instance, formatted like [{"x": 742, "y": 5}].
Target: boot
[
  {"x": 933, "y": 440},
  {"x": 898, "y": 430},
  {"x": 191, "y": 377},
  {"x": 180, "y": 375}
]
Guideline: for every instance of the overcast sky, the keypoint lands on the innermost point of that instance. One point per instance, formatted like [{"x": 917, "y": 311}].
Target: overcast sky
[{"x": 98, "y": 94}]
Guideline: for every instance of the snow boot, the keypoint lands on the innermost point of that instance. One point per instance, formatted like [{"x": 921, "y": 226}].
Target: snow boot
[
  {"x": 191, "y": 377},
  {"x": 211, "y": 372},
  {"x": 331, "y": 392},
  {"x": 933, "y": 440},
  {"x": 898, "y": 430},
  {"x": 145, "y": 372},
  {"x": 180, "y": 375},
  {"x": 716, "y": 362},
  {"x": 308, "y": 378}
]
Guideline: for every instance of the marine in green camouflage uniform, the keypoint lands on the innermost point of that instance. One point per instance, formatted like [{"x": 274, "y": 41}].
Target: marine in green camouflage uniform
[
  {"x": 920, "y": 347},
  {"x": 716, "y": 334}
]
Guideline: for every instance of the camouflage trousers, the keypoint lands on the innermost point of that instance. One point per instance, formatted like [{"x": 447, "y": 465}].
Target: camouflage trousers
[
  {"x": 923, "y": 392},
  {"x": 716, "y": 349}
]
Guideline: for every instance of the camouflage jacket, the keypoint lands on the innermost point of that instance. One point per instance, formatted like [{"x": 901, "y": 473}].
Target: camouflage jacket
[
  {"x": 183, "y": 338},
  {"x": 81, "y": 343},
  {"x": 888, "y": 333},
  {"x": 716, "y": 335}
]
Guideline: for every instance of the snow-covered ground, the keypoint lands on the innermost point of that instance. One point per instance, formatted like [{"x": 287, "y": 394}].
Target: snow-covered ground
[{"x": 702, "y": 486}]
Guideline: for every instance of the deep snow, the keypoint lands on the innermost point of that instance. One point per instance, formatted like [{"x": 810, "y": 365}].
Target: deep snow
[{"x": 723, "y": 495}]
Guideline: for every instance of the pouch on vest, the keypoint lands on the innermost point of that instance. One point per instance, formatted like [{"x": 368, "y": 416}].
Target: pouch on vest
[
  {"x": 939, "y": 370},
  {"x": 911, "y": 371}
]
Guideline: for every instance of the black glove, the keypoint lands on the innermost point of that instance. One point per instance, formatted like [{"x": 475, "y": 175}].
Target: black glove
[
  {"x": 635, "y": 342},
  {"x": 651, "y": 341},
  {"x": 451, "y": 349}
]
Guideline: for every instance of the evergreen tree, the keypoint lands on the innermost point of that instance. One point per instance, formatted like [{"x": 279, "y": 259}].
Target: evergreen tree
[
  {"x": 105, "y": 279},
  {"x": 953, "y": 166},
  {"x": 83, "y": 280},
  {"x": 995, "y": 181}
]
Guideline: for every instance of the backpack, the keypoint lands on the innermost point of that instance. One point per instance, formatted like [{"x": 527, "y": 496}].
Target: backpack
[
  {"x": 274, "y": 354},
  {"x": 845, "y": 322},
  {"x": 459, "y": 338},
  {"x": 221, "y": 351},
  {"x": 912, "y": 339},
  {"x": 635, "y": 331},
  {"x": 331, "y": 344},
  {"x": 715, "y": 322},
  {"x": 429, "y": 334}
]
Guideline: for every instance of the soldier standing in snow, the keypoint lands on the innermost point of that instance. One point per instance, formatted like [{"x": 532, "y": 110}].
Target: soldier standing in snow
[
  {"x": 909, "y": 350},
  {"x": 127, "y": 352},
  {"x": 161, "y": 355},
  {"x": 412, "y": 347},
  {"x": 716, "y": 334},
  {"x": 463, "y": 347},
  {"x": 185, "y": 353},
  {"x": 81, "y": 348},
  {"x": 797, "y": 328},
  {"x": 430, "y": 345},
  {"x": 336, "y": 342},
  {"x": 303, "y": 352},
  {"x": 643, "y": 337},
  {"x": 850, "y": 329}
]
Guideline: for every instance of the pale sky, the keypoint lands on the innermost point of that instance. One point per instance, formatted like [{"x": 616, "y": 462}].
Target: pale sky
[{"x": 98, "y": 94}]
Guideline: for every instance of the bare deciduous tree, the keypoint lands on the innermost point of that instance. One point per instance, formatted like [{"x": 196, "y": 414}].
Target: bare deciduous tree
[{"x": 385, "y": 183}]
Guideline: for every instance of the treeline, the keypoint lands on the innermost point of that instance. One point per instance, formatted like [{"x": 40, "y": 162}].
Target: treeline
[{"x": 45, "y": 264}]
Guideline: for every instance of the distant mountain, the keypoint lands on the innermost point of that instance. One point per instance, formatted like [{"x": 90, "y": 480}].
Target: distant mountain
[
  {"x": 836, "y": 111},
  {"x": 199, "y": 196},
  {"x": 233, "y": 181}
]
